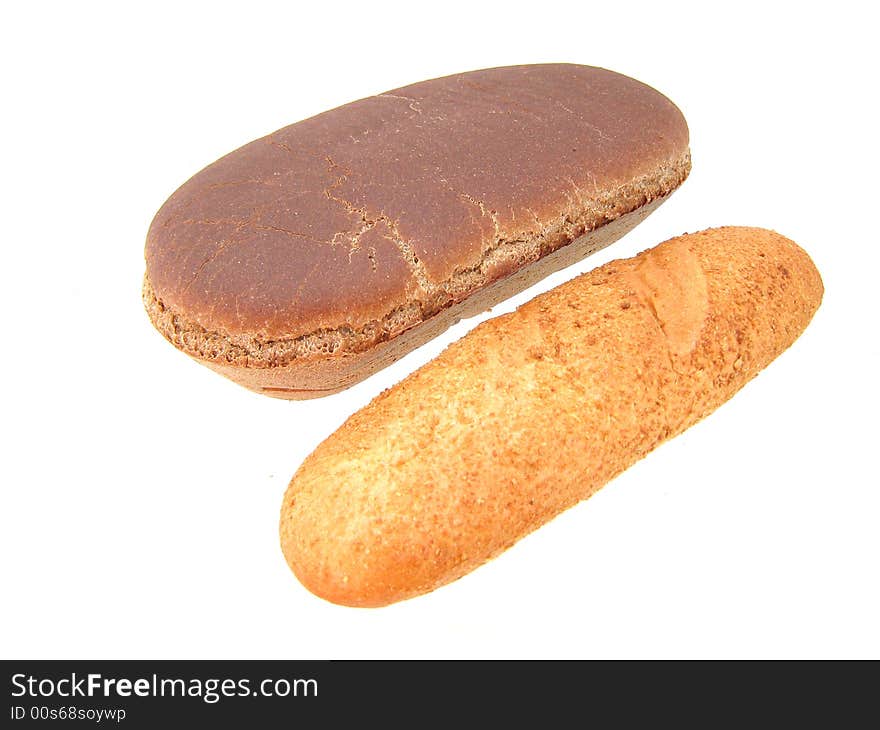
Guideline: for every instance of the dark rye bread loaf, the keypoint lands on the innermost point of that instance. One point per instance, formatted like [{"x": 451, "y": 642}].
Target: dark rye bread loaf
[
  {"x": 304, "y": 261},
  {"x": 535, "y": 410}
]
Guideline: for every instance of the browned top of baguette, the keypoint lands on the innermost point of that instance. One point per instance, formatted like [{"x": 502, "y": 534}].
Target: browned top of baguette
[
  {"x": 365, "y": 220},
  {"x": 533, "y": 411}
]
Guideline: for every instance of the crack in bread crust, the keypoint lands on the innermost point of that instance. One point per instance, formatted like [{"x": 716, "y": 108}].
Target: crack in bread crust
[{"x": 503, "y": 259}]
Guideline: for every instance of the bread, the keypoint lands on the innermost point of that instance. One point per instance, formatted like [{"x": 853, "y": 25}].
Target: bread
[
  {"x": 533, "y": 411},
  {"x": 304, "y": 261}
]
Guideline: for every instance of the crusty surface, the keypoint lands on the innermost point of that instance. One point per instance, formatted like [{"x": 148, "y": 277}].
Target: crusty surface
[
  {"x": 297, "y": 377},
  {"x": 342, "y": 231},
  {"x": 533, "y": 411}
]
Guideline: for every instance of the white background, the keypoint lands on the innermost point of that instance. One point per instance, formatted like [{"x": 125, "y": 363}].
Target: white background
[{"x": 141, "y": 492}]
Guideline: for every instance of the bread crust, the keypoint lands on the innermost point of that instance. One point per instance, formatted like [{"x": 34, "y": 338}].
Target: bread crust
[
  {"x": 291, "y": 264},
  {"x": 297, "y": 376},
  {"x": 533, "y": 411}
]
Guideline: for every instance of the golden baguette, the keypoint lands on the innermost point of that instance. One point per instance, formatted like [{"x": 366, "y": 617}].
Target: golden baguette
[{"x": 533, "y": 411}]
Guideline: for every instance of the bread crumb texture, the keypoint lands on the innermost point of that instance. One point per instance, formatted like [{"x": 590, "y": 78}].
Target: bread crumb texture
[{"x": 533, "y": 411}]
